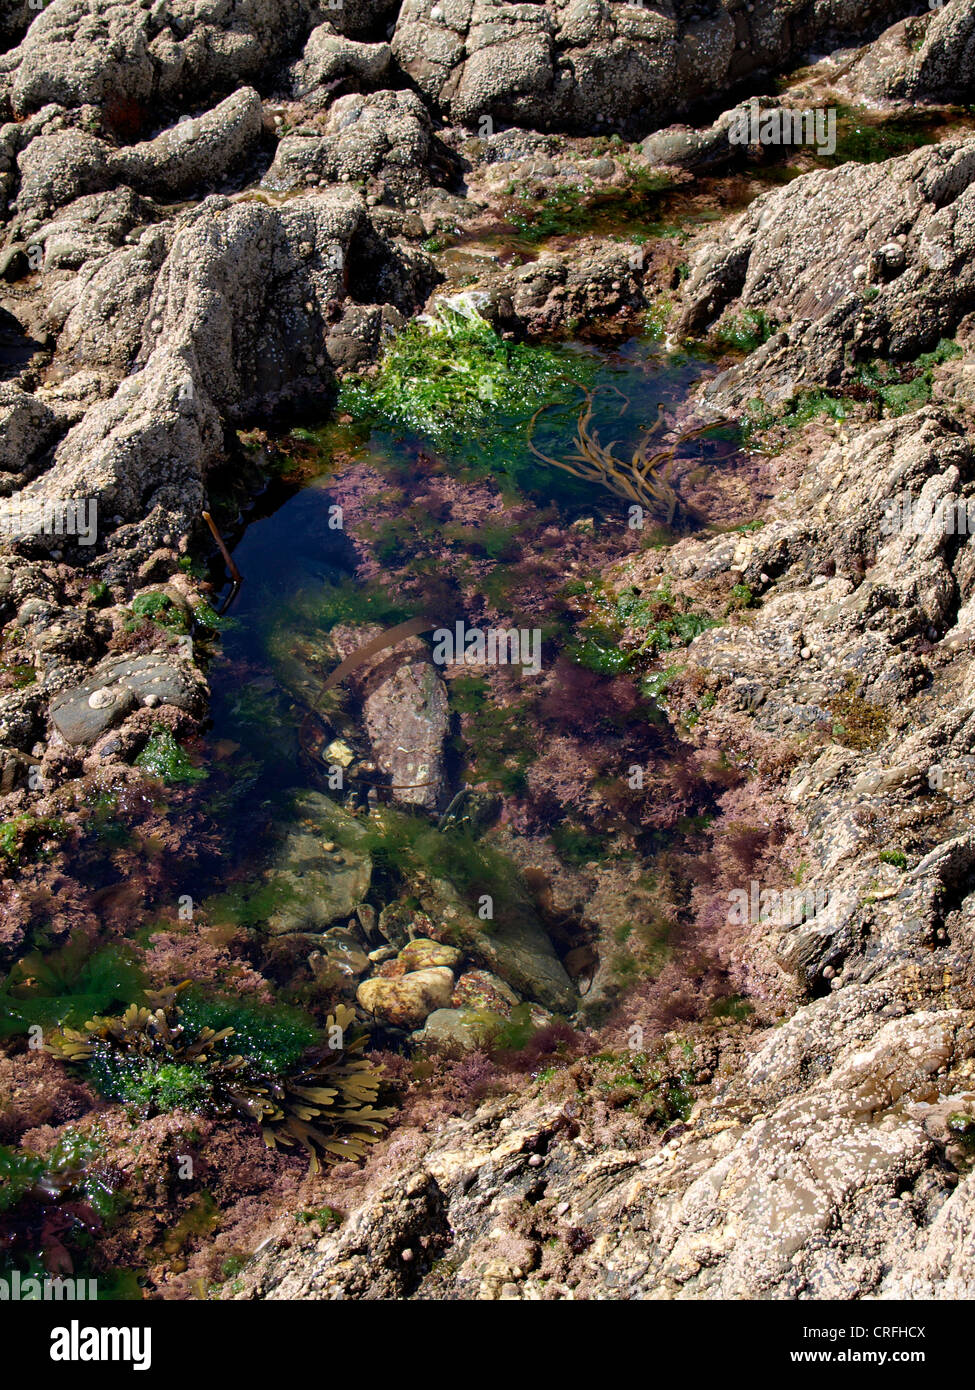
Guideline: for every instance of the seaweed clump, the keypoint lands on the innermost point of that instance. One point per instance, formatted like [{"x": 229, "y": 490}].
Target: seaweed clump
[
  {"x": 49, "y": 1204},
  {"x": 452, "y": 374},
  {"x": 154, "y": 1058}
]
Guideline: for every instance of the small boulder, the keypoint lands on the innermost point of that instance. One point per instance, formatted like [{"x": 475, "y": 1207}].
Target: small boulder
[
  {"x": 408, "y": 1001},
  {"x": 422, "y": 954}
]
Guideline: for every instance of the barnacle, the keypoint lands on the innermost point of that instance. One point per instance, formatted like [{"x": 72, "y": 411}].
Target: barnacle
[{"x": 324, "y": 1104}]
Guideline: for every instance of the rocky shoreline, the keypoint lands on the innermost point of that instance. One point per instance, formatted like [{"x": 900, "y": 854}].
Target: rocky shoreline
[{"x": 215, "y": 218}]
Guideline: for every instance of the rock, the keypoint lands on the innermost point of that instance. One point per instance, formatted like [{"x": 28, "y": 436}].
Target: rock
[
  {"x": 28, "y": 428},
  {"x": 463, "y": 1030},
  {"x": 567, "y": 67},
  {"x": 332, "y": 65},
  {"x": 480, "y": 990},
  {"x": 59, "y": 168},
  {"x": 406, "y": 714},
  {"x": 195, "y": 153},
  {"x": 341, "y": 960},
  {"x": 223, "y": 342},
  {"x": 385, "y": 135},
  {"x": 926, "y": 58},
  {"x": 420, "y": 953},
  {"x": 794, "y": 256},
  {"x": 114, "y": 54},
  {"x": 116, "y": 687},
  {"x": 318, "y": 888},
  {"x": 405, "y": 1002},
  {"x": 689, "y": 149}
]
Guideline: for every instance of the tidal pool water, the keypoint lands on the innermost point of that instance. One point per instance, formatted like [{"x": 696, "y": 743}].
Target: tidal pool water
[{"x": 302, "y": 548}]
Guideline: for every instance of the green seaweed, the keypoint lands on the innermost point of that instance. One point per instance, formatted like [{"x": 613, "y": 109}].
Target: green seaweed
[
  {"x": 68, "y": 985},
  {"x": 453, "y": 375},
  {"x": 162, "y": 757}
]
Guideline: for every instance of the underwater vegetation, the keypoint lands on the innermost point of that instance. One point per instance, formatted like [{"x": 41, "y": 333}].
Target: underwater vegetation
[
  {"x": 662, "y": 620},
  {"x": 49, "y": 1204},
  {"x": 643, "y": 478},
  {"x": 158, "y": 1057},
  {"x": 453, "y": 374},
  {"x": 162, "y": 757},
  {"x": 66, "y": 986}
]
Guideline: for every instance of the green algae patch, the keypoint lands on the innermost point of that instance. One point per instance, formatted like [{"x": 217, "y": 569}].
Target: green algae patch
[
  {"x": 274, "y": 1036},
  {"x": 452, "y": 374},
  {"x": 67, "y": 986},
  {"x": 745, "y": 332},
  {"x": 24, "y": 838},
  {"x": 902, "y": 389},
  {"x": 162, "y": 757},
  {"x": 653, "y": 623}
]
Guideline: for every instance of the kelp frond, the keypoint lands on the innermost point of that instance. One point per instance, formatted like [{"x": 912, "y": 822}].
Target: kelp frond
[
  {"x": 643, "y": 478},
  {"x": 325, "y": 1104}
]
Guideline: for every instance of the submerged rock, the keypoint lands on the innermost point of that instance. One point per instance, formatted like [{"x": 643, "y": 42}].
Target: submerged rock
[
  {"x": 464, "y": 1030},
  {"x": 516, "y": 948},
  {"x": 406, "y": 714},
  {"x": 407, "y": 1000},
  {"x": 318, "y": 886}
]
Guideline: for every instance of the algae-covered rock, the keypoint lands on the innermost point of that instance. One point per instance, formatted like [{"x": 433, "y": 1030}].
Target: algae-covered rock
[
  {"x": 318, "y": 886},
  {"x": 406, "y": 1002},
  {"x": 514, "y": 947}
]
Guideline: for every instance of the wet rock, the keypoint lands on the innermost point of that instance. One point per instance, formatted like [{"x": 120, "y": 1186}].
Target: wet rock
[
  {"x": 421, "y": 953},
  {"x": 481, "y": 991},
  {"x": 318, "y": 887},
  {"x": 81, "y": 715},
  {"x": 406, "y": 1001},
  {"x": 340, "y": 961},
  {"x": 399, "y": 922},
  {"x": 685, "y": 148},
  {"x": 119, "y": 685}
]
